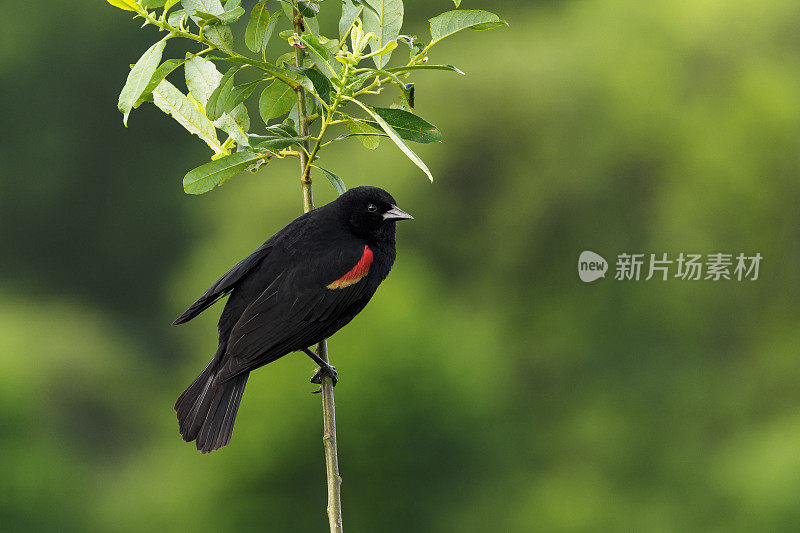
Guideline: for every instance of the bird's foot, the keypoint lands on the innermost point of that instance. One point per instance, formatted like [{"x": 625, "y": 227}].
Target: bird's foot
[{"x": 325, "y": 371}]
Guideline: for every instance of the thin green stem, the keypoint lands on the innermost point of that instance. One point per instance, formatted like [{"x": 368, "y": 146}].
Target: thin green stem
[
  {"x": 181, "y": 32},
  {"x": 328, "y": 404},
  {"x": 328, "y": 120}
]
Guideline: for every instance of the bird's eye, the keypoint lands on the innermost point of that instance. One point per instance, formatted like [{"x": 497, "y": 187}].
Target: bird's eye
[{"x": 372, "y": 208}]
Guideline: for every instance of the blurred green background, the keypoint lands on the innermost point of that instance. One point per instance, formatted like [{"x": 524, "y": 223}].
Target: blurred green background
[{"x": 485, "y": 387}]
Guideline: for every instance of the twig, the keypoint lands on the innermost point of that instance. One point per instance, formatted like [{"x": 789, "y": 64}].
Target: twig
[{"x": 328, "y": 405}]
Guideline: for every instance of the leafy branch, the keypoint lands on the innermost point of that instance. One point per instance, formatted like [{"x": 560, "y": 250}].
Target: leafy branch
[{"x": 304, "y": 91}]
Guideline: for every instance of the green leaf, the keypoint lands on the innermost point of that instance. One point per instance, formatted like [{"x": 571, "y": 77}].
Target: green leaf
[
  {"x": 218, "y": 99},
  {"x": 276, "y": 100},
  {"x": 227, "y": 101},
  {"x": 350, "y": 11},
  {"x": 408, "y": 125},
  {"x": 451, "y": 22},
  {"x": 385, "y": 23},
  {"x": 213, "y": 7},
  {"x": 240, "y": 93},
  {"x": 286, "y": 59},
  {"x": 312, "y": 25},
  {"x": 369, "y": 136},
  {"x": 226, "y": 17},
  {"x": 256, "y": 27},
  {"x": 332, "y": 47},
  {"x": 275, "y": 144},
  {"x": 127, "y": 5},
  {"x": 169, "y": 4},
  {"x": 139, "y": 77},
  {"x": 206, "y": 177},
  {"x": 153, "y": 4},
  {"x": 308, "y": 8},
  {"x": 286, "y": 129},
  {"x": 457, "y": 3},
  {"x": 312, "y": 41},
  {"x": 288, "y": 8},
  {"x": 220, "y": 35},
  {"x": 322, "y": 85},
  {"x": 241, "y": 116},
  {"x": 233, "y": 11},
  {"x": 202, "y": 77},
  {"x": 174, "y": 19},
  {"x": 335, "y": 180},
  {"x": 396, "y": 138},
  {"x": 163, "y": 70},
  {"x": 260, "y": 28},
  {"x": 294, "y": 114},
  {"x": 427, "y": 67},
  {"x": 173, "y": 102},
  {"x": 207, "y": 18},
  {"x": 366, "y": 5},
  {"x": 226, "y": 96},
  {"x": 235, "y": 124},
  {"x": 319, "y": 54},
  {"x": 271, "y": 25}
]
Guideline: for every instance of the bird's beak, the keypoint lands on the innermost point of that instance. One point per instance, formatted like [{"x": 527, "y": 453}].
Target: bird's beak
[{"x": 395, "y": 213}]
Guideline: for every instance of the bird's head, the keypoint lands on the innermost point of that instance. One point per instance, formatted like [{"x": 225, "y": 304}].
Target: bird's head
[{"x": 371, "y": 212}]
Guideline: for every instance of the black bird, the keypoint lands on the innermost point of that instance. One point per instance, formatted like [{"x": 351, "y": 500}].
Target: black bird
[{"x": 298, "y": 288}]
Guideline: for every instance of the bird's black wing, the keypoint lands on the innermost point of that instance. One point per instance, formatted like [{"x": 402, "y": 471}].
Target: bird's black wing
[
  {"x": 224, "y": 285},
  {"x": 296, "y": 310}
]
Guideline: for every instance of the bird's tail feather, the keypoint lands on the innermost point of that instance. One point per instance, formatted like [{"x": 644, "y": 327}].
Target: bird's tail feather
[
  {"x": 217, "y": 428},
  {"x": 206, "y": 412}
]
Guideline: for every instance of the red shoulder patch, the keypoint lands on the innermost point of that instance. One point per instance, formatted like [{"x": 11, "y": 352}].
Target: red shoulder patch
[{"x": 356, "y": 273}]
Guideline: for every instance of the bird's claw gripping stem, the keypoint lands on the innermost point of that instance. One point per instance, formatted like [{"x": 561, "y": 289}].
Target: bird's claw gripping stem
[{"x": 326, "y": 371}]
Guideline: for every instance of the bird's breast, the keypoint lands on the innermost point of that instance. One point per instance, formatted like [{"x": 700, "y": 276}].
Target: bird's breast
[{"x": 355, "y": 274}]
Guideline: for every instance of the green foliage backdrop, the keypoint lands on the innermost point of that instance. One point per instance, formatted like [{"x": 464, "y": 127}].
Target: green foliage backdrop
[{"x": 485, "y": 387}]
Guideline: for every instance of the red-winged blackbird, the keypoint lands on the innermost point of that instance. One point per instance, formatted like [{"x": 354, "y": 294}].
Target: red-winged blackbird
[{"x": 298, "y": 288}]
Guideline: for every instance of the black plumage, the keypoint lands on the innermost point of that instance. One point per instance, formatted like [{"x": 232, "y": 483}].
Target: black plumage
[{"x": 301, "y": 286}]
